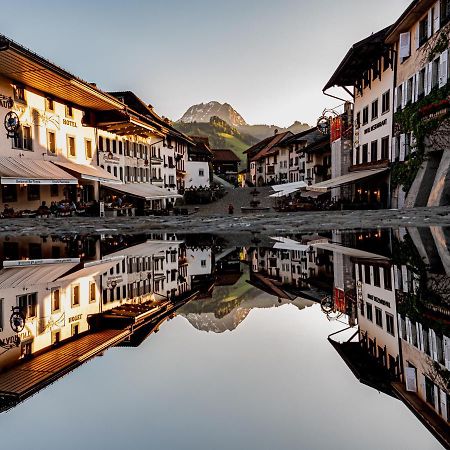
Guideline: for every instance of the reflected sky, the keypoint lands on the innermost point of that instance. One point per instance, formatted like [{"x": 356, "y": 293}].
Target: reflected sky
[
  {"x": 274, "y": 382},
  {"x": 222, "y": 342}
]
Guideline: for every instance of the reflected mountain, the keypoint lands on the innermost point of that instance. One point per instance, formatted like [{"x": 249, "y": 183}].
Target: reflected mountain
[{"x": 229, "y": 305}]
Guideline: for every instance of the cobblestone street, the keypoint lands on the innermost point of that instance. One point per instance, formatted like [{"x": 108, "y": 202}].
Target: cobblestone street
[{"x": 271, "y": 222}]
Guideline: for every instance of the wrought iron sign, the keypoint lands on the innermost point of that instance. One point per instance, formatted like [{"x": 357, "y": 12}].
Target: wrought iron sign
[
  {"x": 17, "y": 319},
  {"x": 12, "y": 124}
]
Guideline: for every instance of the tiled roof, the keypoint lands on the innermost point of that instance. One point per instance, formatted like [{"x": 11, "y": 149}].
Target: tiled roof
[
  {"x": 225, "y": 155},
  {"x": 270, "y": 145}
]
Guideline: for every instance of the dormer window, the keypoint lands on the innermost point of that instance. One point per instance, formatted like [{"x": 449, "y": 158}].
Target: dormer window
[
  {"x": 69, "y": 111},
  {"x": 19, "y": 93},
  {"x": 49, "y": 104}
]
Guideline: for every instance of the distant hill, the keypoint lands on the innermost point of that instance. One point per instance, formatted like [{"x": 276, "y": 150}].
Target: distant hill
[
  {"x": 260, "y": 132},
  {"x": 220, "y": 135},
  {"x": 202, "y": 113}
]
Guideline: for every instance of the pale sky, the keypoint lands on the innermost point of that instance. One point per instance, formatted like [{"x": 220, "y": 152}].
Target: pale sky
[{"x": 268, "y": 59}]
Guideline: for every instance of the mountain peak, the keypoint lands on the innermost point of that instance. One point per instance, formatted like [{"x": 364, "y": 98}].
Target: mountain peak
[{"x": 203, "y": 112}]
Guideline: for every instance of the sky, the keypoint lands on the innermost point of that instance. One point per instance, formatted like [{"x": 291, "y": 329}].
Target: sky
[{"x": 268, "y": 59}]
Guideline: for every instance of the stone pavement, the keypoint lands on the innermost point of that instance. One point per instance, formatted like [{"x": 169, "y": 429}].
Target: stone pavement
[
  {"x": 237, "y": 197},
  {"x": 269, "y": 223}
]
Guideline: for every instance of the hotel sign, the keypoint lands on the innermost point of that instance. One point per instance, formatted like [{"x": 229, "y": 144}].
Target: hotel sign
[
  {"x": 375, "y": 127},
  {"x": 379, "y": 300},
  {"x": 70, "y": 123}
]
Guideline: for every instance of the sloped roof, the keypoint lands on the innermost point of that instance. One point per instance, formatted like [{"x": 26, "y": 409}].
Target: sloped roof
[
  {"x": 358, "y": 59},
  {"x": 225, "y": 155},
  {"x": 138, "y": 105},
  {"x": 305, "y": 137},
  {"x": 270, "y": 145}
]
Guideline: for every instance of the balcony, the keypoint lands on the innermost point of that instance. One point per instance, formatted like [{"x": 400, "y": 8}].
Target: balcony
[
  {"x": 379, "y": 164},
  {"x": 156, "y": 180}
]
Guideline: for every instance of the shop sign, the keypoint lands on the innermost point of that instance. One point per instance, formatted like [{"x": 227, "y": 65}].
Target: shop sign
[{"x": 375, "y": 127}]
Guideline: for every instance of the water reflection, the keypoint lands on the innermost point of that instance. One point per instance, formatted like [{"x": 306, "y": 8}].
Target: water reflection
[{"x": 64, "y": 300}]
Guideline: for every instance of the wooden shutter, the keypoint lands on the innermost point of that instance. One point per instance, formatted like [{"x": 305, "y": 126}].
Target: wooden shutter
[
  {"x": 443, "y": 68},
  {"x": 429, "y": 77},
  {"x": 416, "y": 87},
  {"x": 405, "y": 45},
  {"x": 446, "y": 345},
  {"x": 430, "y": 22},
  {"x": 417, "y": 36},
  {"x": 437, "y": 17},
  {"x": 411, "y": 379}
]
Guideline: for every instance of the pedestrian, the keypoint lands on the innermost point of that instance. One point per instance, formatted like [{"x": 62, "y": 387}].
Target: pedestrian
[{"x": 230, "y": 209}]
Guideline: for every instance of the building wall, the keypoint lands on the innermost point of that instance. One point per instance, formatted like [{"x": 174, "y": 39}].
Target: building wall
[
  {"x": 197, "y": 174},
  {"x": 378, "y": 127},
  {"x": 369, "y": 295}
]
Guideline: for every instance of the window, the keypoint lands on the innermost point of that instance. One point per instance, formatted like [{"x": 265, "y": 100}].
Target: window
[
  {"x": 92, "y": 293},
  {"x": 26, "y": 136},
  {"x": 379, "y": 317},
  {"x": 365, "y": 153},
  {"x": 423, "y": 31},
  {"x": 445, "y": 12},
  {"x": 374, "y": 151},
  {"x": 71, "y": 150},
  {"x": 409, "y": 91},
  {"x": 201, "y": 172},
  {"x": 399, "y": 97},
  {"x": 421, "y": 84},
  {"x": 33, "y": 192},
  {"x": 369, "y": 311},
  {"x": 386, "y": 102},
  {"x": 56, "y": 337},
  {"x": 75, "y": 295},
  {"x": 385, "y": 147},
  {"x": 376, "y": 276},
  {"x": 365, "y": 115},
  {"x": 75, "y": 329},
  {"x": 375, "y": 109},
  {"x": 88, "y": 148},
  {"x": 51, "y": 142},
  {"x": 49, "y": 104},
  {"x": 28, "y": 304},
  {"x": 367, "y": 274},
  {"x": 9, "y": 193},
  {"x": 387, "y": 276},
  {"x": 69, "y": 111},
  {"x": 54, "y": 190},
  {"x": 56, "y": 300},
  {"x": 203, "y": 263},
  {"x": 19, "y": 93},
  {"x": 390, "y": 324},
  {"x": 429, "y": 391}
]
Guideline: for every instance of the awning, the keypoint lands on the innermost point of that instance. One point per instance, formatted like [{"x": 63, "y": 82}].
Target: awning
[
  {"x": 148, "y": 248},
  {"x": 146, "y": 191},
  {"x": 91, "y": 270},
  {"x": 32, "y": 171},
  {"x": 282, "y": 190},
  {"x": 348, "y": 251},
  {"x": 289, "y": 244},
  {"x": 89, "y": 172},
  {"x": 24, "y": 277},
  {"x": 349, "y": 178}
]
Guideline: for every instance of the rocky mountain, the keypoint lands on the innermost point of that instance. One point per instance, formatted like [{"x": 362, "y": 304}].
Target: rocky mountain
[
  {"x": 220, "y": 134},
  {"x": 197, "y": 115},
  {"x": 203, "y": 112}
]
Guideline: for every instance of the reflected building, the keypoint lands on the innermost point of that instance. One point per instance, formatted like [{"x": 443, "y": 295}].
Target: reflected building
[{"x": 56, "y": 313}]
